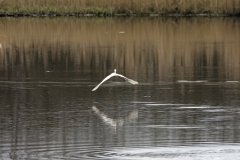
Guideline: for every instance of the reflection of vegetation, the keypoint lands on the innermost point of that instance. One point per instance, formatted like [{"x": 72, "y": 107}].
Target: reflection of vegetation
[
  {"x": 165, "y": 47},
  {"x": 129, "y": 7}
]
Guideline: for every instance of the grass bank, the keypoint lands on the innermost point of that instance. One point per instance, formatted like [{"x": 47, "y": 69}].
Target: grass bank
[{"x": 119, "y": 7}]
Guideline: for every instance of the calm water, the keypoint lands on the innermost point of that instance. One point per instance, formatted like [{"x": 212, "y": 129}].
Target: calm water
[{"x": 186, "y": 105}]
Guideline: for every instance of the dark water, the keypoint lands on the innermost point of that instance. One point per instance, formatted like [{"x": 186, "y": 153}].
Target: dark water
[{"x": 186, "y": 105}]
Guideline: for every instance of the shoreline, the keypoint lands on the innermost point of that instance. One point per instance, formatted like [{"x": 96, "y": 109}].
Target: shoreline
[
  {"x": 116, "y": 15},
  {"x": 123, "y": 8}
]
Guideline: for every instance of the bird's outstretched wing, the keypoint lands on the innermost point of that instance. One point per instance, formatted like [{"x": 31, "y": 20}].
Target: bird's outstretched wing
[
  {"x": 105, "y": 79},
  {"x": 127, "y": 79}
]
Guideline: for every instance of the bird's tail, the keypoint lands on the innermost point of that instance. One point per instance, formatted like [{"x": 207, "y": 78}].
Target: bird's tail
[{"x": 132, "y": 81}]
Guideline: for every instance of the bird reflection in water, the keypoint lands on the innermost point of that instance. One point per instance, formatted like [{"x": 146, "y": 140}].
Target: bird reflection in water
[{"x": 114, "y": 123}]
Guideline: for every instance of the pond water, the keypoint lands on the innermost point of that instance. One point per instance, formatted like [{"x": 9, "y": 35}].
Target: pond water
[{"x": 185, "y": 106}]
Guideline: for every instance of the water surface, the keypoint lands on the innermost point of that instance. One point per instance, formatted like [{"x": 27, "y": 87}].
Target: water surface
[{"x": 186, "y": 105}]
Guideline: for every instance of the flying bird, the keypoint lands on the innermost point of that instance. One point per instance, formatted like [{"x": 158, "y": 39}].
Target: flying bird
[{"x": 115, "y": 74}]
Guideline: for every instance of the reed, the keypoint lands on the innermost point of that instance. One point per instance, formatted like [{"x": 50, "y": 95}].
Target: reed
[{"x": 113, "y": 7}]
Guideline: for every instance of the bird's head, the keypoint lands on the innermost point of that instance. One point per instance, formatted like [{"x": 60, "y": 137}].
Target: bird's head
[{"x": 115, "y": 70}]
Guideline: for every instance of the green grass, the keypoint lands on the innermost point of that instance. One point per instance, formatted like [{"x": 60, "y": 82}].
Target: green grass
[{"x": 113, "y": 7}]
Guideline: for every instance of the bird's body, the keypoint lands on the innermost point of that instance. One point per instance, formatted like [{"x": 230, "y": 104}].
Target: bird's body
[{"x": 115, "y": 74}]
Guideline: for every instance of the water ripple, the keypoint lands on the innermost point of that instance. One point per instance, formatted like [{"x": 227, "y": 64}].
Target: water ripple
[
  {"x": 55, "y": 151},
  {"x": 77, "y": 151},
  {"x": 206, "y": 152}
]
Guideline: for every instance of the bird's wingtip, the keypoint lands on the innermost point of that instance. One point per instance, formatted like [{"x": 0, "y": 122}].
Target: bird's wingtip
[{"x": 132, "y": 81}]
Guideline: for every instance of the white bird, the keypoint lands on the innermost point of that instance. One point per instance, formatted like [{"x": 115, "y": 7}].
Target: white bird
[{"x": 115, "y": 74}]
